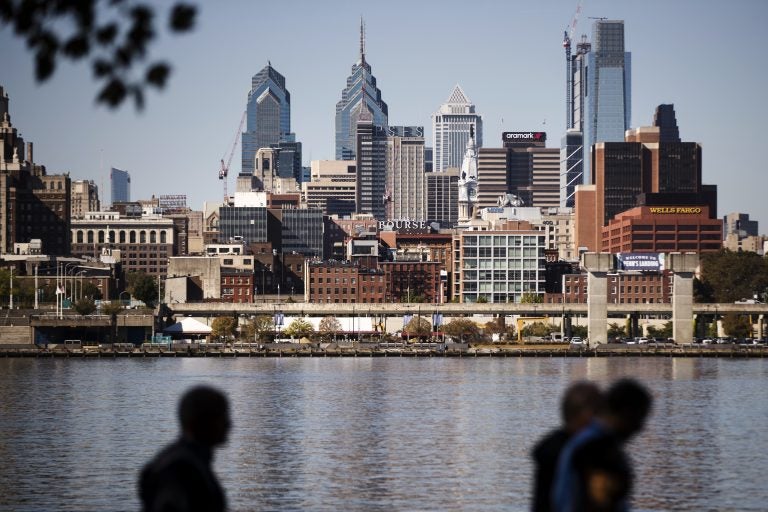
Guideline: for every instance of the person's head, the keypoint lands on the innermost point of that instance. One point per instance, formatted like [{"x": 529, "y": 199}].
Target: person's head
[
  {"x": 627, "y": 404},
  {"x": 204, "y": 415},
  {"x": 580, "y": 403}
]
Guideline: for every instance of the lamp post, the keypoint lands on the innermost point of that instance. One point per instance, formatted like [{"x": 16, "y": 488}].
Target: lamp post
[
  {"x": 120, "y": 297},
  {"x": 10, "y": 290},
  {"x": 80, "y": 280}
]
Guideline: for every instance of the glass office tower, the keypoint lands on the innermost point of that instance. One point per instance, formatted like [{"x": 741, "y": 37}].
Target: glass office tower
[
  {"x": 361, "y": 87},
  {"x": 120, "y": 183},
  {"x": 451, "y": 126},
  {"x": 268, "y": 115},
  {"x": 608, "y": 90}
]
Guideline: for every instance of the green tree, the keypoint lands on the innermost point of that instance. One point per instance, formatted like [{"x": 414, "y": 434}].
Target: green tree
[
  {"x": 664, "y": 331},
  {"x": 114, "y": 35},
  {"x": 739, "y": 326},
  {"x": 463, "y": 329},
  {"x": 539, "y": 329},
  {"x": 91, "y": 291},
  {"x": 418, "y": 326},
  {"x": 143, "y": 287},
  {"x": 85, "y": 306},
  {"x": 732, "y": 276},
  {"x": 579, "y": 330},
  {"x": 111, "y": 308},
  {"x": 329, "y": 327},
  {"x": 531, "y": 298},
  {"x": 616, "y": 331},
  {"x": 299, "y": 328},
  {"x": 259, "y": 328},
  {"x": 223, "y": 326},
  {"x": 482, "y": 299}
]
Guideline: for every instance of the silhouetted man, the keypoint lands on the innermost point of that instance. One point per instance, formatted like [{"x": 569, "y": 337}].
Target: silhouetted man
[
  {"x": 579, "y": 404},
  {"x": 593, "y": 473},
  {"x": 180, "y": 477}
]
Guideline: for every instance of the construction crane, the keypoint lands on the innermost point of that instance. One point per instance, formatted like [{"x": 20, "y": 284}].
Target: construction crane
[
  {"x": 224, "y": 170},
  {"x": 567, "y": 37}
]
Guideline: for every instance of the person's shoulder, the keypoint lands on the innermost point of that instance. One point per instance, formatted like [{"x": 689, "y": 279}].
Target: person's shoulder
[{"x": 552, "y": 442}]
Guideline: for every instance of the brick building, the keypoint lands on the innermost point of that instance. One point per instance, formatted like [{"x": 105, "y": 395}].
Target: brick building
[{"x": 343, "y": 283}]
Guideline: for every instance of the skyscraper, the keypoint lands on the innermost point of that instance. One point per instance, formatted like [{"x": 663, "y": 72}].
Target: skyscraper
[
  {"x": 451, "y": 126},
  {"x": 572, "y": 144},
  {"x": 120, "y": 182},
  {"x": 406, "y": 195},
  {"x": 268, "y": 113},
  {"x": 371, "y": 152},
  {"x": 361, "y": 89},
  {"x": 607, "y": 105}
]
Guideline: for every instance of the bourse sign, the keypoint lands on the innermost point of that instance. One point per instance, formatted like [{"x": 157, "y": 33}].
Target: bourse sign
[{"x": 640, "y": 261}]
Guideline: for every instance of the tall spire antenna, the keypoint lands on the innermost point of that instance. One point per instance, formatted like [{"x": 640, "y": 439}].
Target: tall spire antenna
[{"x": 362, "y": 41}]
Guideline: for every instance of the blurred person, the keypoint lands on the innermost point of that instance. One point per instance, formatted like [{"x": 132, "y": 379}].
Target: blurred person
[
  {"x": 180, "y": 477},
  {"x": 594, "y": 473},
  {"x": 577, "y": 408}
]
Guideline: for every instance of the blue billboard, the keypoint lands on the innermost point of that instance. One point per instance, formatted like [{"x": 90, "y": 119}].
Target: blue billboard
[{"x": 640, "y": 261}]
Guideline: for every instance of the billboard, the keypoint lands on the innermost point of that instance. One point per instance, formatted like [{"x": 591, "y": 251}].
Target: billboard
[
  {"x": 524, "y": 137},
  {"x": 642, "y": 261}
]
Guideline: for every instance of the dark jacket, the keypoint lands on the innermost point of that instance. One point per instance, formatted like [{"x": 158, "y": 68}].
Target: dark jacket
[
  {"x": 180, "y": 479},
  {"x": 545, "y": 455}
]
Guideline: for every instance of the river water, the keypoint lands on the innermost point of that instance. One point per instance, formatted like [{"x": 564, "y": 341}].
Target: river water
[{"x": 373, "y": 434}]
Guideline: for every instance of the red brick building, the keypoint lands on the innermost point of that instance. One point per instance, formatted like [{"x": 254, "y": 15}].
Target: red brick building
[
  {"x": 414, "y": 279},
  {"x": 663, "y": 229},
  {"x": 625, "y": 288},
  {"x": 332, "y": 282},
  {"x": 236, "y": 286}
]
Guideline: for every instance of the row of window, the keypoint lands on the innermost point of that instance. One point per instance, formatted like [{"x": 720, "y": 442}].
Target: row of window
[{"x": 123, "y": 237}]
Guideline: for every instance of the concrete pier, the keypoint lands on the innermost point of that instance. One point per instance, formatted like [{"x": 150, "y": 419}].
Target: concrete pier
[
  {"x": 597, "y": 266},
  {"x": 683, "y": 265}
]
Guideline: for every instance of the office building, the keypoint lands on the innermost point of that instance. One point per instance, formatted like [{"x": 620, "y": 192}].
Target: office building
[
  {"x": 607, "y": 101},
  {"x": 571, "y": 166},
  {"x": 491, "y": 176},
  {"x": 85, "y": 198},
  {"x": 268, "y": 114},
  {"x": 360, "y": 90},
  {"x": 246, "y": 224},
  {"x": 545, "y": 177},
  {"x": 664, "y": 118},
  {"x": 451, "y": 126},
  {"x": 120, "y": 183},
  {"x": 143, "y": 243},
  {"x": 499, "y": 265},
  {"x": 663, "y": 229},
  {"x": 301, "y": 231},
  {"x": 371, "y": 151},
  {"x": 33, "y": 204},
  {"x": 405, "y": 190},
  {"x": 332, "y": 188},
  {"x": 572, "y": 143},
  {"x": 443, "y": 197}
]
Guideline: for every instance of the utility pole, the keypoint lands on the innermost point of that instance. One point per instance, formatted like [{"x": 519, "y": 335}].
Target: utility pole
[
  {"x": 10, "y": 290},
  {"x": 36, "y": 290}
]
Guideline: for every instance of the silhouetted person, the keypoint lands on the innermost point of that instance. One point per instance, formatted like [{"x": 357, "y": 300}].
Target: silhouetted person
[
  {"x": 593, "y": 473},
  {"x": 180, "y": 477},
  {"x": 579, "y": 404}
]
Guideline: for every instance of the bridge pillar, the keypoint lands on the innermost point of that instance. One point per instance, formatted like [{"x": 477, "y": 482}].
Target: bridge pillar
[
  {"x": 597, "y": 266},
  {"x": 683, "y": 265},
  {"x": 760, "y": 326}
]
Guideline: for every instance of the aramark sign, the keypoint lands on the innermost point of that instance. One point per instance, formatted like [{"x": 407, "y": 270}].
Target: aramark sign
[
  {"x": 524, "y": 137},
  {"x": 642, "y": 261}
]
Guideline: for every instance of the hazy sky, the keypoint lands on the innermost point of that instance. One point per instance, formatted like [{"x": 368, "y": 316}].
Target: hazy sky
[{"x": 706, "y": 57}]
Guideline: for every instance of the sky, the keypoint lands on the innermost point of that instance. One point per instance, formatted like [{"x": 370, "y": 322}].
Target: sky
[{"x": 706, "y": 57}]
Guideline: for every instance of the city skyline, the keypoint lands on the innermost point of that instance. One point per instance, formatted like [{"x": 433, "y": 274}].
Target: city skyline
[{"x": 512, "y": 67}]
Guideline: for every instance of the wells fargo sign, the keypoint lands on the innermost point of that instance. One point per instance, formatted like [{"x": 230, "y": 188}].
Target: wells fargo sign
[{"x": 685, "y": 210}]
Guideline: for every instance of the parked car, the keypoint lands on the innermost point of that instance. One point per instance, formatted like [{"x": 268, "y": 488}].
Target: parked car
[{"x": 577, "y": 341}]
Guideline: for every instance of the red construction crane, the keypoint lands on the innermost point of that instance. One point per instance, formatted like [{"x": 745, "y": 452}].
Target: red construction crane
[{"x": 224, "y": 170}]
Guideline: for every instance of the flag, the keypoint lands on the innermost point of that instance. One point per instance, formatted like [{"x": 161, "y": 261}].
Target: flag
[{"x": 59, "y": 291}]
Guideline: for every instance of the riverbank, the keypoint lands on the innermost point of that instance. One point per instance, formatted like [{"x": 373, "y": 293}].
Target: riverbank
[{"x": 289, "y": 350}]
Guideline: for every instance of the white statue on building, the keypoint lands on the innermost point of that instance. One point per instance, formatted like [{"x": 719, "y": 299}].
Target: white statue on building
[{"x": 468, "y": 180}]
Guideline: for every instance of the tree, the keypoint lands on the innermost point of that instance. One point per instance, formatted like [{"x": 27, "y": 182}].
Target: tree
[
  {"x": 418, "y": 326},
  {"x": 142, "y": 287},
  {"x": 739, "y": 326},
  {"x": 111, "y": 308},
  {"x": 114, "y": 35},
  {"x": 85, "y": 306},
  {"x": 299, "y": 328},
  {"x": 259, "y": 328},
  {"x": 223, "y": 326},
  {"x": 329, "y": 327},
  {"x": 579, "y": 330},
  {"x": 664, "y": 332},
  {"x": 463, "y": 329},
  {"x": 531, "y": 298},
  {"x": 728, "y": 276},
  {"x": 91, "y": 291},
  {"x": 616, "y": 331},
  {"x": 482, "y": 299},
  {"x": 538, "y": 329}
]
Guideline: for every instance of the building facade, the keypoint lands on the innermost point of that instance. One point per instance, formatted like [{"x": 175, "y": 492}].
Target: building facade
[
  {"x": 371, "y": 153},
  {"x": 343, "y": 283},
  {"x": 501, "y": 265},
  {"x": 360, "y": 90},
  {"x": 144, "y": 244},
  {"x": 85, "y": 198},
  {"x": 451, "y": 126},
  {"x": 332, "y": 188},
  {"x": 607, "y": 105},
  {"x": 120, "y": 186},
  {"x": 268, "y": 114},
  {"x": 405, "y": 190}
]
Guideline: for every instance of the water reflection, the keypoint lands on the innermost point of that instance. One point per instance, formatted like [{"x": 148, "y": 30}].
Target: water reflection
[{"x": 372, "y": 434}]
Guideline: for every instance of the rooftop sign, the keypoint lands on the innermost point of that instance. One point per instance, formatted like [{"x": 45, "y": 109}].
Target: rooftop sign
[
  {"x": 524, "y": 137},
  {"x": 641, "y": 261}
]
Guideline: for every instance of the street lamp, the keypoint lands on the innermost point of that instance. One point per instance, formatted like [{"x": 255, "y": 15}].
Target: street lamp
[{"x": 120, "y": 297}]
